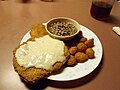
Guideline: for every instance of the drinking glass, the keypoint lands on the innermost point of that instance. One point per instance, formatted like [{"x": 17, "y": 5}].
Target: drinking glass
[{"x": 100, "y": 9}]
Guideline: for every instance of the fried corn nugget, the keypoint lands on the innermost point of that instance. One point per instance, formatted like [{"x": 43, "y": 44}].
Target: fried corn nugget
[
  {"x": 90, "y": 42},
  {"x": 72, "y": 61},
  {"x": 83, "y": 39},
  {"x": 90, "y": 52},
  {"x": 73, "y": 50},
  {"x": 38, "y": 30},
  {"x": 81, "y": 57},
  {"x": 81, "y": 47}
]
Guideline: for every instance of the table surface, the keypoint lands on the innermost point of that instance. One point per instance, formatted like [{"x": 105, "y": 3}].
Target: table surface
[{"x": 17, "y": 17}]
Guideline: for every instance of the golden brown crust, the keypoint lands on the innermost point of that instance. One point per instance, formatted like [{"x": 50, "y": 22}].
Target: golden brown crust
[
  {"x": 83, "y": 39},
  {"x": 38, "y": 30},
  {"x": 73, "y": 50},
  {"x": 90, "y": 52},
  {"x": 89, "y": 43},
  {"x": 33, "y": 74},
  {"x": 81, "y": 47},
  {"x": 30, "y": 75},
  {"x": 72, "y": 61},
  {"x": 81, "y": 57}
]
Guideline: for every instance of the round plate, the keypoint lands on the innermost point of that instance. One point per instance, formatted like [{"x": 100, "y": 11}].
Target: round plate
[{"x": 81, "y": 69}]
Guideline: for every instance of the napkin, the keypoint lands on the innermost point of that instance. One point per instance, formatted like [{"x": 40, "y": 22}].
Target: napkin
[{"x": 116, "y": 30}]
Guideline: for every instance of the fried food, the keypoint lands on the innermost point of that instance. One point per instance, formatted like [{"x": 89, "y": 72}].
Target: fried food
[
  {"x": 90, "y": 52},
  {"x": 81, "y": 47},
  {"x": 83, "y": 39},
  {"x": 77, "y": 50},
  {"x": 81, "y": 57},
  {"x": 71, "y": 61},
  {"x": 89, "y": 43},
  {"x": 57, "y": 66},
  {"x": 32, "y": 74},
  {"x": 38, "y": 30},
  {"x": 73, "y": 50}
]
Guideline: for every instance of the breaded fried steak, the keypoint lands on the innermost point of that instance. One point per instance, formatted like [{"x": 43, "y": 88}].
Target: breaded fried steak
[
  {"x": 38, "y": 57},
  {"x": 34, "y": 62}
]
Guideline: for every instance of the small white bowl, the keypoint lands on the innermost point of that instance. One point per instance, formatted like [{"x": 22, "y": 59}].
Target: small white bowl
[{"x": 68, "y": 37}]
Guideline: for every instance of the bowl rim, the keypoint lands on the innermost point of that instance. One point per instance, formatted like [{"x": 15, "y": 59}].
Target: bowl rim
[{"x": 62, "y": 37}]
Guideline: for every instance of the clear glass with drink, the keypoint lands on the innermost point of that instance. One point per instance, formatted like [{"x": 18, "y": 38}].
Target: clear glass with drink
[{"x": 101, "y": 9}]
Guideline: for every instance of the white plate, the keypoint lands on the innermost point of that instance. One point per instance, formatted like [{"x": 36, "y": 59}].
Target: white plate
[{"x": 81, "y": 69}]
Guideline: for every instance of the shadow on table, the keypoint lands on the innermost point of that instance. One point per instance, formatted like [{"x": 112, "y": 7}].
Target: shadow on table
[
  {"x": 113, "y": 20},
  {"x": 42, "y": 84},
  {"x": 24, "y": 1}
]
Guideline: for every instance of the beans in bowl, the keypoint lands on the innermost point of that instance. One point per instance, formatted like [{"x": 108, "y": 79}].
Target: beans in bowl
[{"x": 62, "y": 28}]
